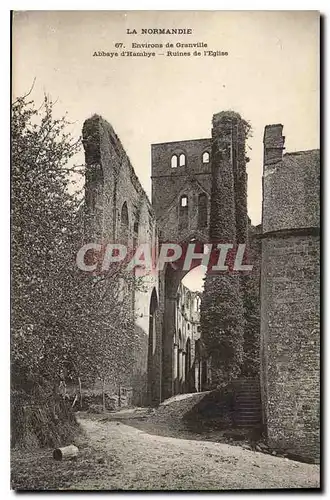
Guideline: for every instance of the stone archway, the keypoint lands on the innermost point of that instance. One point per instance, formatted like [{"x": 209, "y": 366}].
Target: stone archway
[
  {"x": 188, "y": 385},
  {"x": 179, "y": 364},
  {"x": 174, "y": 381}
]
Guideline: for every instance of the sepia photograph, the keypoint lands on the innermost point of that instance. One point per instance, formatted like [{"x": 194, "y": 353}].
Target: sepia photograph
[{"x": 165, "y": 250}]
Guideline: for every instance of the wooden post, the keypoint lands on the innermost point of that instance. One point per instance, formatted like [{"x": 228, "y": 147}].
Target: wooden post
[{"x": 65, "y": 453}]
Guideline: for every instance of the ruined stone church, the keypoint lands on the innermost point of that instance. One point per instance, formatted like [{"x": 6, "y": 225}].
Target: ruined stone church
[{"x": 284, "y": 250}]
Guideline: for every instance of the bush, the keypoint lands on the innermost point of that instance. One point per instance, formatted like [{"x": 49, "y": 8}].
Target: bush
[{"x": 47, "y": 424}]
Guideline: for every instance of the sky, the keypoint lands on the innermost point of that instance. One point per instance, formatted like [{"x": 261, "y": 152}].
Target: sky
[{"x": 271, "y": 75}]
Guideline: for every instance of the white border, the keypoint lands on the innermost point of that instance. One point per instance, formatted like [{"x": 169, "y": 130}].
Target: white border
[{"x": 322, "y": 6}]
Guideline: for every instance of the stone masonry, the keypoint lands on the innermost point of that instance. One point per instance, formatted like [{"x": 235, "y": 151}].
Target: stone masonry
[
  {"x": 290, "y": 291},
  {"x": 117, "y": 209}
]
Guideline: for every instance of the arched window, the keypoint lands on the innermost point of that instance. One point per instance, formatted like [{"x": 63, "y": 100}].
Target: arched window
[
  {"x": 135, "y": 234},
  {"x": 206, "y": 157},
  {"x": 188, "y": 358},
  {"x": 124, "y": 222},
  {"x": 152, "y": 324},
  {"x": 183, "y": 212},
  {"x": 174, "y": 161},
  {"x": 202, "y": 210},
  {"x": 187, "y": 300},
  {"x": 184, "y": 201},
  {"x": 182, "y": 160}
]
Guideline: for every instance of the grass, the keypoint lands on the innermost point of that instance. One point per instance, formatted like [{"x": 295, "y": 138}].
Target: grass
[{"x": 37, "y": 470}]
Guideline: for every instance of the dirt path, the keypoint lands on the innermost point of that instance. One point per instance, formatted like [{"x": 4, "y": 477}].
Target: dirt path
[{"x": 139, "y": 461}]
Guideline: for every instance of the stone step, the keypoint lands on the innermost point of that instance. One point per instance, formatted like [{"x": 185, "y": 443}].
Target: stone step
[
  {"x": 247, "y": 399},
  {"x": 248, "y": 411},
  {"x": 246, "y": 394},
  {"x": 243, "y": 391},
  {"x": 247, "y": 404},
  {"x": 244, "y": 414},
  {"x": 249, "y": 420},
  {"x": 247, "y": 386},
  {"x": 247, "y": 380},
  {"x": 250, "y": 388},
  {"x": 253, "y": 396},
  {"x": 248, "y": 425},
  {"x": 243, "y": 409},
  {"x": 247, "y": 389}
]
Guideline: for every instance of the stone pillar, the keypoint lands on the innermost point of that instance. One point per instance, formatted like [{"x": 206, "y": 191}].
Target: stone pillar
[
  {"x": 168, "y": 344},
  {"x": 273, "y": 144},
  {"x": 184, "y": 361},
  {"x": 197, "y": 376},
  {"x": 180, "y": 370},
  {"x": 175, "y": 365}
]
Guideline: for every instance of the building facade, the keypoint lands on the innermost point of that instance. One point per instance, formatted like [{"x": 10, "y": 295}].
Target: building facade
[{"x": 290, "y": 296}]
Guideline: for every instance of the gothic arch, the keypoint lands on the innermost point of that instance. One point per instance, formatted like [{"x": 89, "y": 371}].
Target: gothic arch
[
  {"x": 174, "y": 161},
  {"x": 188, "y": 365},
  {"x": 202, "y": 210},
  {"x": 183, "y": 211},
  {"x": 152, "y": 348},
  {"x": 182, "y": 160},
  {"x": 124, "y": 222},
  {"x": 179, "y": 158},
  {"x": 206, "y": 157}
]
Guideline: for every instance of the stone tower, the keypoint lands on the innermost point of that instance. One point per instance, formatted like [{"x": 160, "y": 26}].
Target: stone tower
[{"x": 183, "y": 183}]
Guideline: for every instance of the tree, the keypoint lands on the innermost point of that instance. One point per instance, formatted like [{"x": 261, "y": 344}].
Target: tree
[
  {"x": 64, "y": 321},
  {"x": 43, "y": 220},
  {"x": 43, "y": 215},
  {"x": 102, "y": 325}
]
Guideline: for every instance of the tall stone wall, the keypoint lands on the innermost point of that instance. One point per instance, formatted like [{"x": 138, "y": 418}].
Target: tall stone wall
[
  {"x": 118, "y": 210},
  {"x": 290, "y": 290}
]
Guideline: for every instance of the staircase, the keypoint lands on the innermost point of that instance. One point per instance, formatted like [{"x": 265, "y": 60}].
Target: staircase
[{"x": 247, "y": 403}]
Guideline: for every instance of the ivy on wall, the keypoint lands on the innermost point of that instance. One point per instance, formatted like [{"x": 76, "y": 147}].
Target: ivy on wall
[{"x": 223, "y": 314}]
